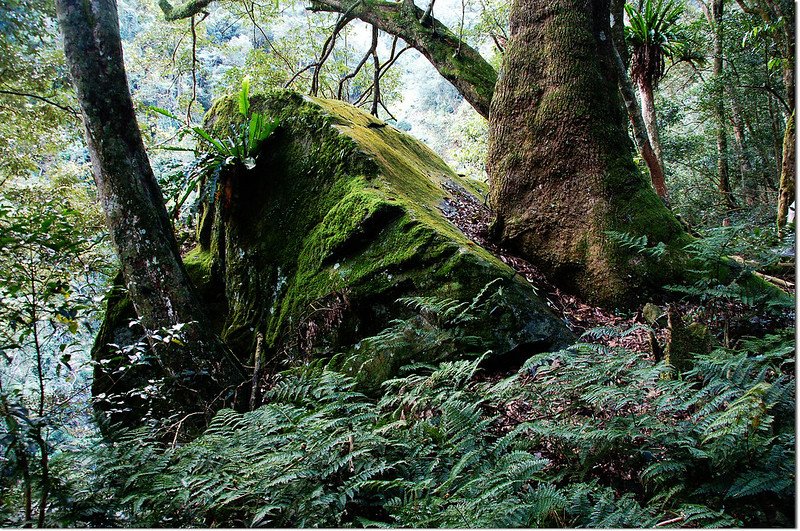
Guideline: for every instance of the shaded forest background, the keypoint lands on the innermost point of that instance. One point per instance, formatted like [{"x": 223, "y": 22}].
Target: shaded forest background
[{"x": 447, "y": 444}]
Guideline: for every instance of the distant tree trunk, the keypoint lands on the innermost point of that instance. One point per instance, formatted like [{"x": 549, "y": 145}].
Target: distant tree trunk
[
  {"x": 739, "y": 146},
  {"x": 640, "y": 136},
  {"x": 787, "y": 186},
  {"x": 723, "y": 178},
  {"x": 789, "y": 162},
  {"x": 560, "y": 161},
  {"x": 770, "y": 12},
  {"x": 141, "y": 233}
]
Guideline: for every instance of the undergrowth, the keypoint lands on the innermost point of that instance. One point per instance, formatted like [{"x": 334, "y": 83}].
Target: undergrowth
[{"x": 585, "y": 437}]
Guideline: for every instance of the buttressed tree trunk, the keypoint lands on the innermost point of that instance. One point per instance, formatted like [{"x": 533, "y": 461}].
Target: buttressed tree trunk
[
  {"x": 561, "y": 163},
  {"x": 198, "y": 372}
]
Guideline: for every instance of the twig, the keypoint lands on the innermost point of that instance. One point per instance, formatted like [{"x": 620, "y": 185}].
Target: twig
[
  {"x": 194, "y": 72},
  {"x": 294, "y": 77},
  {"x": 376, "y": 78},
  {"x": 671, "y": 521},
  {"x": 353, "y": 74},
  {"x": 65, "y": 108},
  {"x": 257, "y": 370}
]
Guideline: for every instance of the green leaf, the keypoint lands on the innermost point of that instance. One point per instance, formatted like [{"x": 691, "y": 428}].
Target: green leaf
[
  {"x": 163, "y": 112},
  {"x": 244, "y": 97},
  {"x": 219, "y": 146}
]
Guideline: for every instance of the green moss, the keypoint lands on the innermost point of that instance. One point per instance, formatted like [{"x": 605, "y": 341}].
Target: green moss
[
  {"x": 339, "y": 218},
  {"x": 686, "y": 341},
  {"x": 198, "y": 265}
]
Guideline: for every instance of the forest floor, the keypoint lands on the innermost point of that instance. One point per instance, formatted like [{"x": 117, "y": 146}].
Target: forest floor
[
  {"x": 726, "y": 321},
  {"x": 473, "y": 217}
]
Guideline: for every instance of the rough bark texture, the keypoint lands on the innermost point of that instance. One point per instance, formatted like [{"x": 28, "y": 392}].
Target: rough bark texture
[
  {"x": 140, "y": 229},
  {"x": 560, "y": 160},
  {"x": 786, "y": 192}
]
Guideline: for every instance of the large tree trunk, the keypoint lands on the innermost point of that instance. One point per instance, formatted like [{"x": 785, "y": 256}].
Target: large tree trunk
[
  {"x": 560, "y": 161},
  {"x": 197, "y": 373}
]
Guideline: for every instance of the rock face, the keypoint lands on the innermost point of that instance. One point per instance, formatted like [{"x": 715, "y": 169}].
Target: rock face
[{"x": 310, "y": 250}]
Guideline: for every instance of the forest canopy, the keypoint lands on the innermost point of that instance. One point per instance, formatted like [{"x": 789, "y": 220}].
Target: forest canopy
[{"x": 455, "y": 263}]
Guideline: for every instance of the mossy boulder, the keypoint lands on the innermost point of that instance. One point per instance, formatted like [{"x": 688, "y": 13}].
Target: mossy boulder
[{"x": 341, "y": 216}]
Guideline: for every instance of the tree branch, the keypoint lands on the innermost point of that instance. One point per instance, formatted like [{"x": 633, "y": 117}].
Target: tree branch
[
  {"x": 184, "y": 10},
  {"x": 456, "y": 61},
  {"x": 468, "y": 71},
  {"x": 376, "y": 77},
  {"x": 65, "y": 108}
]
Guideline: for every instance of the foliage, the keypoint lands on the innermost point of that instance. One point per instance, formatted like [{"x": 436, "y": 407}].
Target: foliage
[
  {"x": 50, "y": 255},
  {"x": 637, "y": 244},
  {"x": 238, "y": 150},
  {"x": 756, "y": 248},
  {"x": 587, "y": 436},
  {"x": 655, "y": 35}
]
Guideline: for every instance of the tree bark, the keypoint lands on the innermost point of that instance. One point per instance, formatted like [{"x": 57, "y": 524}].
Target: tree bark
[
  {"x": 650, "y": 119},
  {"x": 561, "y": 163},
  {"x": 723, "y": 178},
  {"x": 747, "y": 193},
  {"x": 640, "y": 137},
  {"x": 197, "y": 373},
  {"x": 786, "y": 192}
]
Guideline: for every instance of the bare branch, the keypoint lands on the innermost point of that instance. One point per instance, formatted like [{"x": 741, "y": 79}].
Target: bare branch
[
  {"x": 194, "y": 72},
  {"x": 376, "y": 85},
  {"x": 455, "y": 60},
  {"x": 65, "y": 108},
  {"x": 354, "y": 73}
]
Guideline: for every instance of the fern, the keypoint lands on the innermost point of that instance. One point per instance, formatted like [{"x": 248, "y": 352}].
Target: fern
[
  {"x": 639, "y": 245},
  {"x": 606, "y": 442}
]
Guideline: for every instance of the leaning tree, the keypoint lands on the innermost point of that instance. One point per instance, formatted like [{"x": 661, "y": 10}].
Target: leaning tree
[
  {"x": 654, "y": 36},
  {"x": 196, "y": 369}
]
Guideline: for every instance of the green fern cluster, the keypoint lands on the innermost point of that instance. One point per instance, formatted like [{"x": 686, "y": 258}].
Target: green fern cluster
[
  {"x": 720, "y": 437},
  {"x": 585, "y": 437}
]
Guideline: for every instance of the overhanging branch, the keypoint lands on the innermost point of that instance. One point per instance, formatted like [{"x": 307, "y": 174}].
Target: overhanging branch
[
  {"x": 456, "y": 61},
  {"x": 184, "y": 10}
]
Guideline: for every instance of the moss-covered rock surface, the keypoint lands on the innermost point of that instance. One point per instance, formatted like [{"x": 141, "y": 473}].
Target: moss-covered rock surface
[{"x": 340, "y": 217}]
